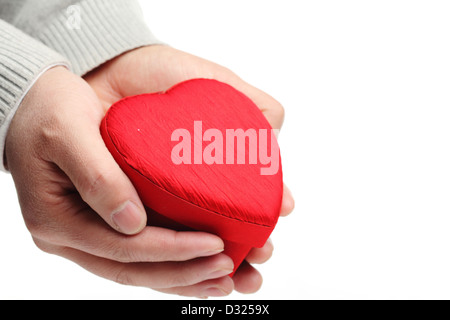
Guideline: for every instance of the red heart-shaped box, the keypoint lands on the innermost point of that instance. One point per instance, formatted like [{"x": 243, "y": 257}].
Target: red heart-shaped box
[{"x": 178, "y": 149}]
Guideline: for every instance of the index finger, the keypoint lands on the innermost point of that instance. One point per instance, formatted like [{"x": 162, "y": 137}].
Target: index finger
[{"x": 90, "y": 234}]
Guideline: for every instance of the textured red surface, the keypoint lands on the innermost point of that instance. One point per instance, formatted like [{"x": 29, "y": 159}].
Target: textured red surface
[{"x": 233, "y": 201}]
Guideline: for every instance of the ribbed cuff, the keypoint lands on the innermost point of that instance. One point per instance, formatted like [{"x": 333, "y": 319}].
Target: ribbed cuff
[
  {"x": 22, "y": 61},
  {"x": 92, "y": 32}
]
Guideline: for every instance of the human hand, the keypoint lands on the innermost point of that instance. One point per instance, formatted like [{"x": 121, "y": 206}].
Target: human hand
[
  {"x": 77, "y": 203},
  {"x": 158, "y": 68}
]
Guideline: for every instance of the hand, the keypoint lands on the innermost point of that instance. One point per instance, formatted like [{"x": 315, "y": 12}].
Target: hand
[
  {"x": 77, "y": 202},
  {"x": 157, "y": 68}
]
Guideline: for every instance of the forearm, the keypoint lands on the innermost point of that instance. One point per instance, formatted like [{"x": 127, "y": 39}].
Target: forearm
[
  {"x": 22, "y": 60},
  {"x": 88, "y": 33}
]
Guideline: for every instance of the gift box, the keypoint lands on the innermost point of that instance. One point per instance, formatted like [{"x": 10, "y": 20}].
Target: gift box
[{"x": 202, "y": 157}]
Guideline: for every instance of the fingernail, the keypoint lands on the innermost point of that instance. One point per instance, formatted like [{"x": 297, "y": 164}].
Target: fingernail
[{"x": 128, "y": 218}]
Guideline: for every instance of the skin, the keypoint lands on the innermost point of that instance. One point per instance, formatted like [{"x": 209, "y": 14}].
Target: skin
[{"x": 78, "y": 204}]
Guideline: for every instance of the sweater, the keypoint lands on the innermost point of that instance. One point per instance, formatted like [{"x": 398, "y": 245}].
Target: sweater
[{"x": 80, "y": 35}]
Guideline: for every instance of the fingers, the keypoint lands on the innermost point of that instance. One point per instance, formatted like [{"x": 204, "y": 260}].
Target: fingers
[
  {"x": 157, "y": 68},
  {"x": 247, "y": 279},
  {"x": 260, "y": 255},
  {"x": 219, "y": 287},
  {"x": 288, "y": 202},
  {"x": 202, "y": 277},
  {"x": 85, "y": 231},
  {"x": 192, "y": 278}
]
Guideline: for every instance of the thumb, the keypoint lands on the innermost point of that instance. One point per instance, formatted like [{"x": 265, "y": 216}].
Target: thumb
[{"x": 99, "y": 179}]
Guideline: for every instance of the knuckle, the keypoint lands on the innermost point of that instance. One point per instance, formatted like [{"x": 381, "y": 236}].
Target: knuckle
[
  {"x": 182, "y": 277},
  {"x": 49, "y": 134},
  {"x": 219, "y": 72},
  {"x": 120, "y": 252},
  {"x": 279, "y": 110},
  {"x": 123, "y": 276},
  {"x": 36, "y": 228},
  {"x": 43, "y": 246},
  {"x": 164, "y": 249},
  {"x": 95, "y": 185},
  {"x": 226, "y": 71},
  {"x": 168, "y": 242},
  {"x": 39, "y": 226}
]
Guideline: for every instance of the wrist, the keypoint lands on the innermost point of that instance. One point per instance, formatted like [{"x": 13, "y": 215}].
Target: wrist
[
  {"x": 5, "y": 128},
  {"x": 33, "y": 98}
]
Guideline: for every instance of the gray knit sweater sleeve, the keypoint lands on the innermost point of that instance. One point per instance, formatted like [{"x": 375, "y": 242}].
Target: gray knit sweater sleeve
[
  {"x": 87, "y": 32},
  {"x": 38, "y": 34},
  {"x": 22, "y": 60}
]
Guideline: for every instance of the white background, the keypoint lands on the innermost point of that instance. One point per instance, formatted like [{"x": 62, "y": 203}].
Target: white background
[{"x": 365, "y": 147}]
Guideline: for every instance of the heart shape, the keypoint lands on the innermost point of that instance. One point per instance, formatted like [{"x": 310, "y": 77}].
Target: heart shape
[{"x": 201, "y": 156}]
